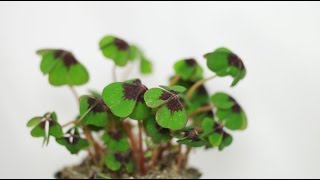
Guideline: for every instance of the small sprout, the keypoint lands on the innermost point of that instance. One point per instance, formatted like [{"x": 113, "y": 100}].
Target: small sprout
[
  {"x": 171, "y": 113},
  {"x": 188, "y": 69},
  {"x": 45, "y": 127},
  {"x": 116, "y": 141},
  {"x": 229, "y": 112},
  {"x": 117, "y": 49},
  {"x": 225, "y": 63},
  {"x": 122, "y": 97},
  {"x": 94, "y": 111},
  {"x": 73, "y": 141},
  {"x": 157, "y": 133},
  {"x": 62, "y": 67}
]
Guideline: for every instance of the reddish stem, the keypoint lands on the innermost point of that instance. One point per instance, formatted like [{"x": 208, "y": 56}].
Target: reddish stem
[
  {"x": 135, "y": 149},
  {"x": 141, "y": 152}
]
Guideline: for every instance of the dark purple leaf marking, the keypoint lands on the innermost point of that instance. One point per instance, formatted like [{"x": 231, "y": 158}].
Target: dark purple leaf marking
[
  {"x": 218, "y": 128},
  {"x": 67, "y": 57},
  {"x": 132, "y": 91},
  {"x": 236, "y": 108},
  {"x": 121, "y": 44},
  {"x": 191, "y": 62},
  {"x": 234, "y": 60},
  {"x": 116, "y": 135},
  {"x": 99, "y": 105},
  {"x": 174, "y": 105}
]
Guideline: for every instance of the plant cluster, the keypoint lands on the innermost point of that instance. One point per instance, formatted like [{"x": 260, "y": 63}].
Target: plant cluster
[{"x": 128, "y": 127}]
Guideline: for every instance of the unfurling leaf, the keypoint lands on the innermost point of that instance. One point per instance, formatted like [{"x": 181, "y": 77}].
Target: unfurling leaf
[
  {"x": 45, "y": 127},
  {"x": 62, "y": 67},
  {"x": 225, "y": 63}
]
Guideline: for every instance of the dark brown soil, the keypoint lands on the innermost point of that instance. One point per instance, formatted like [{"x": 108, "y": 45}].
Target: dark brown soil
[{"x": 166, "y": 169}]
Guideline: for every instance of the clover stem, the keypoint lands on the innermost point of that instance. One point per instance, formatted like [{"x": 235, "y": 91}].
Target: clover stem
[
  {"x": 174, "y": 80},
  {"x": 180, "y": 156},
  {"x": 74, "y": 92},
  {"x": 92, "y": 143},
  {"x": 186, "y": 156},
  {"x": 155, "y": 155},
  {"x": 67, "y": 124},
  {"x": 141, "y": 162},
  {"x": 201, "y": 110},
  {"x": 195, "y": 86},
  {"x": 128, "y": 129},
  {"x": 114, "y": 73},
  {"x": 128, "y": 72}
]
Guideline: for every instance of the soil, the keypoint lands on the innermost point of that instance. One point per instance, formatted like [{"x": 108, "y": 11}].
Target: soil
[{"x": 166, "y": 169}]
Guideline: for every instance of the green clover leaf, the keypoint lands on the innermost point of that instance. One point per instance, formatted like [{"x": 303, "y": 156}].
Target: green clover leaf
[
  {"x": 229, "y": 111},
  {"x": 62, "y": 67},
  {"x": 112, "y": 163},
  {"x": 171, "y": 113},
  {"x": 117, "y": 161},
  {"x": 226, "y": 141},
  {"x": 188, "y": 69},
  {"x": 225, "y": 63},
  {"x": 116, "y": 141},
  {"x": 94, "y": 111},
  {"x": 122, "y": 97},
  {"x": 215, "y": 139},
  {"x": 145, "y": 66},
  {"x": 207, "y": 125},
  {"x": 117, "y": 50},
  {"x": 222, "y": 100},
  {"x": 158, "y": 134}
]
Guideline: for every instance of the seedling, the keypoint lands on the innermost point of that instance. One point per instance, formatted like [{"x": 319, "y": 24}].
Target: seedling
[{"x": 130, "y": 128}]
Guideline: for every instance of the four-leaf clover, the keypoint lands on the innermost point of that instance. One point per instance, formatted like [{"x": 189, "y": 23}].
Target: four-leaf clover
[
  {"x": 126, "y": 98},
  {"x": 171, "y": 113},
  {"x": 117, "y": 49},
  {"x": 188, "y": 69},
  {"x": 225, "y": 63},
  {"x": 229, "y": 112},
  {"x": 94, "y": 111},
  {"x": 62, "y": 67}
]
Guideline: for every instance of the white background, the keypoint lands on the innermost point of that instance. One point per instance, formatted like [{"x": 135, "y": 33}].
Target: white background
[{"x": 279, "y": 43}]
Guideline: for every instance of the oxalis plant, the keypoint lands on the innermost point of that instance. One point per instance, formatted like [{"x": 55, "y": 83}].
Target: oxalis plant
[{"x": 129, "y": 127}]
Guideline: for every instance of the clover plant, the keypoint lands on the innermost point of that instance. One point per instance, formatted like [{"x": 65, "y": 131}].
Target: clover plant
[{"x": 123, "y": 126}]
